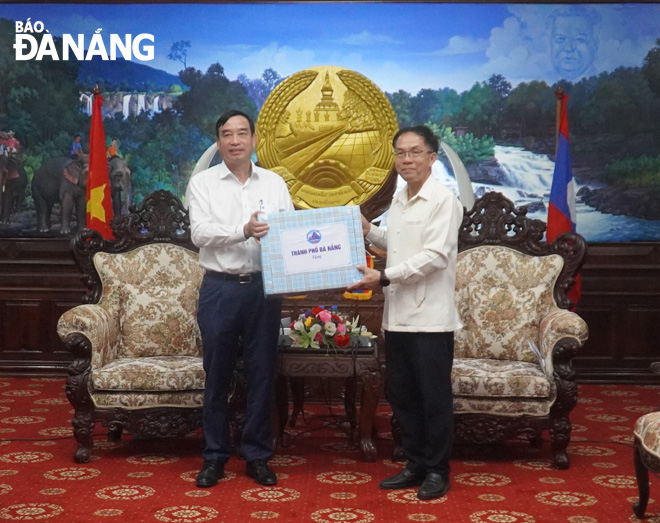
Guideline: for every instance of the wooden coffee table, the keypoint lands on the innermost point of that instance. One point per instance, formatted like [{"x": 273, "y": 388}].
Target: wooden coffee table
[{"x": 359, "y": 364}]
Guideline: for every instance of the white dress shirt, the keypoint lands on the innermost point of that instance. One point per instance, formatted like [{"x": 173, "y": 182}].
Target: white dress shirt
[
  {"x": 421, "y": 242},
  {"x": 220, "y": 206}
]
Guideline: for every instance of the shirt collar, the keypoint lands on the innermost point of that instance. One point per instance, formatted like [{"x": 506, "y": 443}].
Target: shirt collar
[
  {"x": 427, "y": 189},
  {"x": 225, "y": 172},
  {"x": 425, "y": 192}
]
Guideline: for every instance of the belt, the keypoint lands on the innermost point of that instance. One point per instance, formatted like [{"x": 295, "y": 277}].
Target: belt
[{"x": 245, "y": 277}]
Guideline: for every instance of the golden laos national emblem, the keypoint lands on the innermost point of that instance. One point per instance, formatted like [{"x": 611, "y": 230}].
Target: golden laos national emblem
[{"x": 328, "y": 132}]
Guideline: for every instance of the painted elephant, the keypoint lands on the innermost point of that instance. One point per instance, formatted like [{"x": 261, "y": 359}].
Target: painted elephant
[
  {"x": 61, "y": 180},
  {"x": 120, "y": 185},
  {"x": 13, "y": 181}
]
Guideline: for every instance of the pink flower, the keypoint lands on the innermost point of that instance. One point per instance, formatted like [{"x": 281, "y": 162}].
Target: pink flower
[
  {"x": 325, "y": 316},
  {"x": 341, "y": 328}
]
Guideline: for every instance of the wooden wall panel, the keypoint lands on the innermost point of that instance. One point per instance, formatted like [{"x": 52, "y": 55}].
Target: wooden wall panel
[
  {"x": 620, "y": 302},
  {"x": 621, "y": 305},
  {"x": 38, "y": 282}
]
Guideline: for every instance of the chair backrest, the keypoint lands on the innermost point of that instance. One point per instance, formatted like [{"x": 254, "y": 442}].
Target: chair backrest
[
  {"x": 156, "y": 288},
  {"x": 501, "y": 296},
  {"x": 508, "y": 278}
]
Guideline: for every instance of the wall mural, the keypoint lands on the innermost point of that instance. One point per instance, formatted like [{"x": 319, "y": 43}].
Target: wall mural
[{"x": 482, "y": 75}]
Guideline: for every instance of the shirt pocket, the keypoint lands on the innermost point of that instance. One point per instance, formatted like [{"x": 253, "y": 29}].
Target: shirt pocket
[
  {"x": 412, "y": 236},
  {"x": 409, "y": 300}
]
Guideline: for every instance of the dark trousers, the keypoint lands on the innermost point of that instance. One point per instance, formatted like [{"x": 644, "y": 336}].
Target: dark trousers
[
  {"x": 229, "y": 310},
  {"x": 418, "y": 385}
]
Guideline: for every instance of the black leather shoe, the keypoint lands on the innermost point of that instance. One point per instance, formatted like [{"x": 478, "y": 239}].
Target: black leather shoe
[
  {"x": 434, "y": 486},
  {"x": 404, "y": 479},
  {"x": 261, "y": 473},
  {"x": 212, "y": 471}
]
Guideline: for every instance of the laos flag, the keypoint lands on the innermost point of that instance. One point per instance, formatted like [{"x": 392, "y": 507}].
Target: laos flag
[{"x": 561, "y": 211}]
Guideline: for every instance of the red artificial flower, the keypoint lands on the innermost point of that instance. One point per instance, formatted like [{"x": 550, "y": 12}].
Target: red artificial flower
[
  {"x": 316, "y": 310},
  {"x": 319, "y": 338},
  {"x": 342, "y": 340},
  {"x": 337, "y": 319}
]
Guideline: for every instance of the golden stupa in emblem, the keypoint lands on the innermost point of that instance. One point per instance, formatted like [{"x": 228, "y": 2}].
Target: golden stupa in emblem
[{"x": 328, "y": 132}]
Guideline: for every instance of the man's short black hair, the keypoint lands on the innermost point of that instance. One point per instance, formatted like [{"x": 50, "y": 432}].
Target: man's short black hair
[
  {"x": 229, "y": 114},
  {"x": 430, "y": 139}
]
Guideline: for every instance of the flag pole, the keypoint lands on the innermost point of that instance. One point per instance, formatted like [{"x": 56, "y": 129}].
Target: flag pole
[{"x": 559, "y": 96}]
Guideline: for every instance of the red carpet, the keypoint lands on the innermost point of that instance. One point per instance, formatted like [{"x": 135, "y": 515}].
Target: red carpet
[{"x": 320, "y": 476}]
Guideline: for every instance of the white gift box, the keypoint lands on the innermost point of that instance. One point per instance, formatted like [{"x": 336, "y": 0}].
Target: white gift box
[{"x": 312, "y": 250}]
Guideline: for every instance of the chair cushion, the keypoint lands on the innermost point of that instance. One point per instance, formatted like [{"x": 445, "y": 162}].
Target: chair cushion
[
  {"x": 502, "y": 321},
  {"x": 507, "y": 407},
  {"x": 490, "y": 278},
  {"x": 157, "y": 289},
  {"x": 155, "y": 322},
  {"x": 155, "y": 373},
  {"x": 492, "y": 378},
  {"x": 647, "y": 429},
  {"x": 191, "y": 399}
]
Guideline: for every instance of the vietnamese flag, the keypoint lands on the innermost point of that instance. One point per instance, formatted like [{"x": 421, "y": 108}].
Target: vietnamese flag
[
  {"x": 99, "y": 203},
  {"x": 561, "y": 211}
]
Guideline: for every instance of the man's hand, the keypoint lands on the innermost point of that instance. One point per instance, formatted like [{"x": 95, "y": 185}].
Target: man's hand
[
  {"x": 254, "y": 228},
  {"x": 366, "y": 226},
  {"x": 369, "y": 280}
]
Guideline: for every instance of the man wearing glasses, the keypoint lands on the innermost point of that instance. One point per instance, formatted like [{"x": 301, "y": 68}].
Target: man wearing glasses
[{"x": 420, "y": 317}]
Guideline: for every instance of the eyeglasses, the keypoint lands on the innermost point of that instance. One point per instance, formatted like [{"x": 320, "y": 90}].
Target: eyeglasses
[{"x": 415, "y": 153}]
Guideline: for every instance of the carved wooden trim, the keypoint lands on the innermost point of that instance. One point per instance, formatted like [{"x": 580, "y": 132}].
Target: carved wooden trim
[
  {"x": 77, "y": 392},
  {"x": 152, "y": 422},
  {"x": 488, "y": 429},
  {"x": 494, "y": 220},
  {"x": 160, "y": 217}
]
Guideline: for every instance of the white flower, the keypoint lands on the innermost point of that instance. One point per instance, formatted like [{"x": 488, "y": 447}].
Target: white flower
[
  {"x": 314, "y": 329},
  {"x": 330, "y": 328},
  {"x": 299, "y": 326}
]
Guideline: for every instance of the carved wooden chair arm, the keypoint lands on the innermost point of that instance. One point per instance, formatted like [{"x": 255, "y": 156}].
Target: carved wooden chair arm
[
  {"x": 97, "y": 325},
  {"x": 561, "y": 334}
]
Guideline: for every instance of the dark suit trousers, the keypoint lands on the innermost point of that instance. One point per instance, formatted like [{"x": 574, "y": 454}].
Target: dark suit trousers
[
  {"x": 419, "y": 390},
  {"x": 229, "y": 310}
]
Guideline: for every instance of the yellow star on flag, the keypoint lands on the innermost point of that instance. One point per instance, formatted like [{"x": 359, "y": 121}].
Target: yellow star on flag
[{"x": 95, "y": 207}]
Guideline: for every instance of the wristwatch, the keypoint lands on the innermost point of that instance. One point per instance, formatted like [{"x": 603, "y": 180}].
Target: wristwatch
[{"x": 384, "y": 280}]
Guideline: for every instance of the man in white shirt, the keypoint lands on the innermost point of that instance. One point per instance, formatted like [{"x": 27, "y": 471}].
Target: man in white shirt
[
  {"x": 225, "y": 201},
  {"x": 420, "y": 317}
]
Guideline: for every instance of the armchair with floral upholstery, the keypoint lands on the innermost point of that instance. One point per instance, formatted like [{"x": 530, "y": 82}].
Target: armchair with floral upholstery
[
  {"x": 512, "y": 373},
  {"x": 135, "y": 340}
]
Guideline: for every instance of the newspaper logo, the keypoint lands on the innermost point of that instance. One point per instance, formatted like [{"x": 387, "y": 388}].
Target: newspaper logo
[{"x": 128, "y": 47}]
